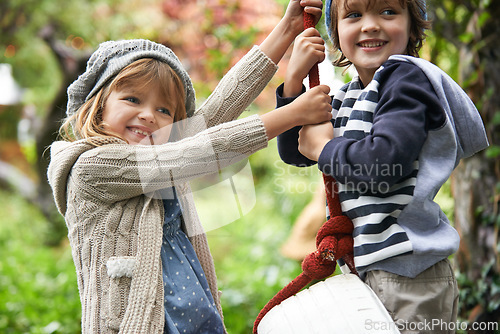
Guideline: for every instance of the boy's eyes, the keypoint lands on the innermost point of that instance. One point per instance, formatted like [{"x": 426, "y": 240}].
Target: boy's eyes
[
  {"x": 388, "y": 12},
  {"x": 355, "y": 15}
]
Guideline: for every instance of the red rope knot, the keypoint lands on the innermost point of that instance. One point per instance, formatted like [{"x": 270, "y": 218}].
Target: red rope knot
[
  {"x": 334, "y": 239},
  {"x": 316, "y": 267}
]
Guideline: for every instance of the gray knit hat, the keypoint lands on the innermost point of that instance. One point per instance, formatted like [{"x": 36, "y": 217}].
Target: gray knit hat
[{"x": 111, "y": 57}]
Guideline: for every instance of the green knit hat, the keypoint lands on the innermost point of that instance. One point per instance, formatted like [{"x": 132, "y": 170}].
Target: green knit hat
[{"x": 111, "y": 57}]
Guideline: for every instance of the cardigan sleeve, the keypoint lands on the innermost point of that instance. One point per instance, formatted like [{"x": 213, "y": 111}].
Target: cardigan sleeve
[
  {"x": 238, "y": 88},
  {"x": 119, "y": 171}
]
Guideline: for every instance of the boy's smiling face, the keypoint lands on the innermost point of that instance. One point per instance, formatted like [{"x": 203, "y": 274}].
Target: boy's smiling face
[
  {"x": 139, "y": 116},
  {"x": 371, "y": 31}
]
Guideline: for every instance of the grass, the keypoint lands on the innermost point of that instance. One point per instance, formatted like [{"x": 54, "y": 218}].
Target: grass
[{"x": 37, "y": 283}]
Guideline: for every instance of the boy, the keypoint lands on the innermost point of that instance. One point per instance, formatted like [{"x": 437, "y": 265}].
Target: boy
[{"x": 399, "y": 129}]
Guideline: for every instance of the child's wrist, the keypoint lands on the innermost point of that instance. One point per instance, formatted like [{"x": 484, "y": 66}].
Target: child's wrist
[
  {"x": 292, "y": 90},
  {"x": 321, "y": 147},
  {"x": 292, "y": 86},
  {"x": 287, "y": 30},
  {"x": 296, "y": 116},
  {"x": 289, "y": 115}
]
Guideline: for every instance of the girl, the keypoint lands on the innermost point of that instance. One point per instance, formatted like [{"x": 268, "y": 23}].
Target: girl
[
  {"x": 399, "y": 129},
  {"x": 142, "y": 259}
]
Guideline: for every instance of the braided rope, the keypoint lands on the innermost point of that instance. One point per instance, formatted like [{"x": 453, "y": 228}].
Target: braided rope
[
  {"x": 314, "y": 72},
  {"x": 334, "y": 239}
]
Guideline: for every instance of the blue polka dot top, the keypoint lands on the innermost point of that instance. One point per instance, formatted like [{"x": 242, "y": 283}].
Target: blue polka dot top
[{"x": 189, "y": 305}]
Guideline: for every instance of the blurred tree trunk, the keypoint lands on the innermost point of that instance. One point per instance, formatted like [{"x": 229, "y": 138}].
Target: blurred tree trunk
[{"x": 472, "y": 26}]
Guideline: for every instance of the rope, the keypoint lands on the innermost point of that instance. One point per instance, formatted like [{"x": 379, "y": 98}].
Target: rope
[
  {"x": 334, "y": 239},
  {"x": 314, "y": 72}
]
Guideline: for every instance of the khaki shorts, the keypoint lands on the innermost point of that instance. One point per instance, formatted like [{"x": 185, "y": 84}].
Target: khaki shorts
[{"x": 427, "y": 303}]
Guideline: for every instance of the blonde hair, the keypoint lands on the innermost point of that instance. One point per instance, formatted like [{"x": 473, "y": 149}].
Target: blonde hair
[
  {"x": 87, "y": 122},
  {"x": 418, "y": 25}
]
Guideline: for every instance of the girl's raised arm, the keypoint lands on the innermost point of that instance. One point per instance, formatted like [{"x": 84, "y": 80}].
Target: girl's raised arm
[
  {"x": 246, "y": 80},
  {"x": 290, "y": 26}
]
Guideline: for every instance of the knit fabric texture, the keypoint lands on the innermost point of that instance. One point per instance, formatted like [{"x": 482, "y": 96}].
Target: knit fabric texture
[
  {"x": 115, "y": 224},
  {"x": 111, "y": 57}
]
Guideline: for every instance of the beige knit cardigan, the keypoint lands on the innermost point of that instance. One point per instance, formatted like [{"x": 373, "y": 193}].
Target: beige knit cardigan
[{"x": 114, "y": 219}]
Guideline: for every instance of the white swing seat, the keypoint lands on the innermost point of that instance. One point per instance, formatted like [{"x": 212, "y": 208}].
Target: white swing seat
[{"x": 340, "y": 304}]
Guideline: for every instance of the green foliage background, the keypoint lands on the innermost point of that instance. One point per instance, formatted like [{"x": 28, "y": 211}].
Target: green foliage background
[
  {"x": 38, "y": 289},
  {"x": 38, "y": 292}
]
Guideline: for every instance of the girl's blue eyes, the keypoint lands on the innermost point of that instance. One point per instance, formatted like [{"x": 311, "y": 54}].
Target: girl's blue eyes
[
  {"x": 132, "y": 99},
  {"x": 136, "y": 100},
  {"x": 165, "y": 111}
]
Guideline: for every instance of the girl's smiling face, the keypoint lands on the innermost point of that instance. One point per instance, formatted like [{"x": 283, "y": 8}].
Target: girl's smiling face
[
  {"x": 139, "y": 116},
  {"x": 372, "y": 31},
  {"x": 142, "y": 102}
]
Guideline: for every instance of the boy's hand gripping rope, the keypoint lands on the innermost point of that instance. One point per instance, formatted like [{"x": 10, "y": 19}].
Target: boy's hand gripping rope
[{"x": 334, "y": 239}]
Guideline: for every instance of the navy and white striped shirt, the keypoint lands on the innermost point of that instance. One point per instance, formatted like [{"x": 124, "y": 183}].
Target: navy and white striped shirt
[
  {"x": 389, "y": 137},
  {"x": 373, "y": 207}
]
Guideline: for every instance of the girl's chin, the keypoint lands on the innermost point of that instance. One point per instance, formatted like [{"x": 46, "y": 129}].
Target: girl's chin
[{"x": 141, "y": 141}]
